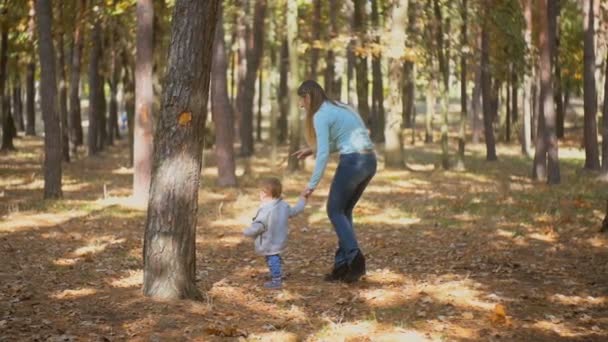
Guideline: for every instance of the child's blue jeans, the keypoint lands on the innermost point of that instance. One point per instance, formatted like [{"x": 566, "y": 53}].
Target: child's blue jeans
[
  {"x": 354, "y": 172},
  {"x": 274, "y": 265}
]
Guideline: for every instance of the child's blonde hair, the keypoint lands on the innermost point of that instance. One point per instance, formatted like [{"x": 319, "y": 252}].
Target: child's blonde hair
[{"x": 271, "y": 186}]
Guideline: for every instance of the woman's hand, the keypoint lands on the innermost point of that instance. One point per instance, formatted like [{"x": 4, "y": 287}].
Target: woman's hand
[
  {"x": 303, "y": 153},
  {"x": 307, "y": 192}
]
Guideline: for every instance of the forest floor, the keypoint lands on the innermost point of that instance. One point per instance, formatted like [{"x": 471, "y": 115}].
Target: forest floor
[{"x": 480, "y": 255}]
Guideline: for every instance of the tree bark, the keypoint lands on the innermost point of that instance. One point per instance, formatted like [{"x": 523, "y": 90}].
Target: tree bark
[
  {"x": 460, "y": 165},
  {"x": 528, "y": 88},
  {"x": 592, "y": 161},
  {"x": 102, "y": 120},
  {"x": 113, "y": 131},
  {"x": 559, "y": 100},
  {"x": 488, "y": 115},
  {"x": 293, "y": 163},
  {"x": 546, "y": 141},
  {"x": 476, "y": 107},
  {"x": 332, "y": 79},
  {"x": 94, "y": 86},
  {"x": 360, "y": 28},
  {"x": 409, "y": 77},
  {"x": 129, "y": 101},
  {"x": 221, "y": 110},
  {"x": 8, "y": 127},
  {"x": 18, "y": 105},
  {"x": 48, "y": 95},
  {"x": 316, "y": 36},
  {"x": 283, "y": 91},
  {"x": 75, "y": 109},
  {"x": 605, "y": 124},
  {"x": 377, "y": 114},
  {"x": 442, "y": 57},
  {"x": 245, "y": 96},
  {"x": 430, "y": 110},
  {"x": 144, "y": 101},
  {"x": 170, "y": 235},
  {"x": 30, "y": 86},
  {"x": 63, "y": 92},
  {"x": 393, "y": 157}
]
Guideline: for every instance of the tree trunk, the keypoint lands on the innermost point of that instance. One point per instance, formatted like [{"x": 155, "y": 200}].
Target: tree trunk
[
  {"x": 514, "y": 96},
  {"x": 144, "y": 101},
  {"x": 463, "y": 89},
  {"x": 221, "y": 110},
  {"x": 94, "y": 86},
  {"x": 316, "y": 36},
  {"x": 377, "y": 114},
  {"x": 526, "y": 127},
  {"x": 283, "y": 91},
  {"x": 359, "y": 28},
  {"x": 409, "y": 77},
  {"x": 442, "y": 57},
  {"x": 559, "y": 100},
  {"x": 170, "y": 235},
  {"x": 8, "y": 127},
  {"x": 114, "y": 79},
  {"x": 546, "y": 141},
  {"x": 75, "y": 109},
  {"x": 102, "y": 121},
  {"x": 430, "y": 111},
  {"x": 293, "y": 163},
  {"x": 129, "y": 101},
  {"x": 488, "y": 115},
  {"x": 592, "y": 161},
  {"x": 476, "y": 107},
  {"x": 605, "y": 123},
  {"x": 245, "y": 96},
  {"x": 393, "y": 157},
  {"x": 30, "y": 85},
  {"x": 332, "y": 79},
  {"x": 63, "y": 92},
  {"x": 258, "y": 121},
  {"x": 48, "y": 96},
  {"x": 18, "y": 105}
]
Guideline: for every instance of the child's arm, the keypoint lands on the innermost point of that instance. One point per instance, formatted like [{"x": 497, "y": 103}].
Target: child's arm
[
  {"x": 255, "y": 229},
  {"x": 298, "y": 208}
]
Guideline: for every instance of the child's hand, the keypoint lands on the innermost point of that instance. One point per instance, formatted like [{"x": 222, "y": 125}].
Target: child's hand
[{"x": 306, "y": 193}]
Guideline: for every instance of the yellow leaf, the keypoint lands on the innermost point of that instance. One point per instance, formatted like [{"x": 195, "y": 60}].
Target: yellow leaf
[{"x": 184, "y": 118}]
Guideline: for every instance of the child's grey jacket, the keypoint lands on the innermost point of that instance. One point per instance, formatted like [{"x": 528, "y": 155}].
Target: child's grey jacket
[{"x": 269, "y": 226}]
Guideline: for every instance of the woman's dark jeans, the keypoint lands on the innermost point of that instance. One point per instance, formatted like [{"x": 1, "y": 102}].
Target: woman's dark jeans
[{"x": 354, "y": 172}]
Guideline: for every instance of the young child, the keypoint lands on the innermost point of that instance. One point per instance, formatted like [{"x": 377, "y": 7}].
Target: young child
[{"x": 269, "y": 227}]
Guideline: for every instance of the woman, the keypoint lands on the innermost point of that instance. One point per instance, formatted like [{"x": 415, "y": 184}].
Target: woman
[{"x": 334, "y": 127}]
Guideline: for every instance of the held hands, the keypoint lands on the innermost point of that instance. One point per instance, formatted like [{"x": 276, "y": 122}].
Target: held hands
[
  {"x": 303, "y": 153},
  {"x": 306, "y": 193}
]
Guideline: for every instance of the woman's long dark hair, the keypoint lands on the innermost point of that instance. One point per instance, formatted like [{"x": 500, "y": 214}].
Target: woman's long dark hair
[{"x": 317, "y": 97}]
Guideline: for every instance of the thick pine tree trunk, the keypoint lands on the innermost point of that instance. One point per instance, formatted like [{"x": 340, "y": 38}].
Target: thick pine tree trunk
[
  {"x": 293, "y": 163},
  {"x": 430, "y": 110},
  {"x": 393, "y": 155},
  {"x": 488, "y": 115},
  {"x": 63, "y": 93},
  {"x": 114, "y": 79},
  {"x": 103, "y": 108},
  {"x": 443, "y": 59},
  {"x": 245, "y": 96},
  {"x": 559, "y": 100},
  {"x": 221, "y": 110},
  {"x": 48, "y": 96},
  {"x": 170, "y": 235},
  {"x": 592, "y": 161},
  {"x": 74, "y": 91},
  {"x": 94, "y": 86},
  {"x": 144, "y": 101},
  {"x": 359, "y": 28},
  {"x": 476, "y": 107}
]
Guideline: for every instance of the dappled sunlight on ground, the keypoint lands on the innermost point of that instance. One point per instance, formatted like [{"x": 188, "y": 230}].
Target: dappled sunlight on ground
[{"x": 480, "y": 255}]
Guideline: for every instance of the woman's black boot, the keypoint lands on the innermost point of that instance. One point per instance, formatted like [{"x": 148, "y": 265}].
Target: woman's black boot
[
  {"x": 337, "y": 273},
  {"x": 356, "y": 269}
]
